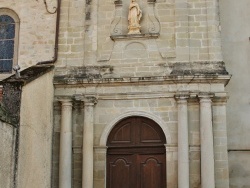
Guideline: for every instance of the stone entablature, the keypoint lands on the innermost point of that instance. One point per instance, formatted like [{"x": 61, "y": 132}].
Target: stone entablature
[
  {"x": 135, "y": 80},
  {"x": 203, "y": 71}
]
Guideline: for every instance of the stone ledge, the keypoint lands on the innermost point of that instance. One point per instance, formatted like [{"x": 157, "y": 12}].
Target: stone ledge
[{"x": 135, "y": 36}]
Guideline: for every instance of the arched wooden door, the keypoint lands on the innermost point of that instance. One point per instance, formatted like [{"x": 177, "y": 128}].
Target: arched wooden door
[{"x": 136, "y": 156}]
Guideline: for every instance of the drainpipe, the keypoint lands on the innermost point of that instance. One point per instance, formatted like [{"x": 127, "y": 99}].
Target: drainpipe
[
  {"x": 56, "y": 37},
  {"x": 238, "y": 150}
]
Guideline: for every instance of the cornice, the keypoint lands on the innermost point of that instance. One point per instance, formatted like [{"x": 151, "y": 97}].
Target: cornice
[{"x": 150, "y": 80}]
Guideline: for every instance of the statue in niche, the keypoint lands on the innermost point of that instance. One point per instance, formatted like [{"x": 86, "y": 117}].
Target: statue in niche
[{"x": 134, "y": 17}]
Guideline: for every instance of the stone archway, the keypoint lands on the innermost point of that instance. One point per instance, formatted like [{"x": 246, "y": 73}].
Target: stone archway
[{"x": 136, "y": 155}]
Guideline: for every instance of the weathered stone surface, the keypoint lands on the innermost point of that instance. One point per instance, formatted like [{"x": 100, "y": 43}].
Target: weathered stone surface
[
  {"x": 239, "y": 171},
  {"x": 195, "y": 68},
  {"x": 87, "y": 72}
]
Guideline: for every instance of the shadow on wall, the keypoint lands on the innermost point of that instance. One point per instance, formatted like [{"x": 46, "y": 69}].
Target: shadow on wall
[{"x": 239, "y": 170}]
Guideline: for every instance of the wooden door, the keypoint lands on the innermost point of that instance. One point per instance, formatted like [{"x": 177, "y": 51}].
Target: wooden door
[
  {"x": 151, "y": 171},
  {"x": 136, "y": 156}
]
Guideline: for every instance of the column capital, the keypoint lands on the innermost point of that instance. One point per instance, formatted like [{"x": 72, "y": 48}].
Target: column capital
[
  {"x": 181, "y": 97},
  {"x": 88, "y": 100},
  {"x": 220, "y": 99},
  {"x": 193, "y": 99},
  {"x": 65, "y": 100},
  {"x": 205, "y": 96}
]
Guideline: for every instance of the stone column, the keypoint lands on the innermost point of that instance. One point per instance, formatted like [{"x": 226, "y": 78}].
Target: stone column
[
  {"x": 183, "y": 146},
  {"x": 88, "y": 142},
  {"x": 65, "y": 158},
  {"x": 206, "y": 137},
  {"x": 220, "y": 140}
]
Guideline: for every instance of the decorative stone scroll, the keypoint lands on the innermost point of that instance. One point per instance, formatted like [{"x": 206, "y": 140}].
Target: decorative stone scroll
[{"x": 116, "y": 27}]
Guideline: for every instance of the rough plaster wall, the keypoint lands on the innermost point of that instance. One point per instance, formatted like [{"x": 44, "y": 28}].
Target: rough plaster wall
[
  {"x": 37, "y": 30},
  {"x": 235, "y": 45},
  {"x": 7, "y": 157},
  {"x": 36, "y": 133},
  {"x": 239, "y": 164}
]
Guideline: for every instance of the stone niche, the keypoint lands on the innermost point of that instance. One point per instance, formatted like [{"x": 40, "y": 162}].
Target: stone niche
[{"x": 150, "y": 25}]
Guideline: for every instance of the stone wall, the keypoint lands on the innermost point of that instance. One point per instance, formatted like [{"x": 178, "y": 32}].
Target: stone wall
[
  {"x": 239, "y": 169},
  {"x": 7, "y": 154}
]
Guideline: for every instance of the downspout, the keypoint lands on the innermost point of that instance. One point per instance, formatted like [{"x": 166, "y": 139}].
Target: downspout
[
  {"x": 56, "y": 37},
  {"x": 52, "y": 61},
  {"x": 238, "y": 150},
  {"x": 49, "y": 62}
]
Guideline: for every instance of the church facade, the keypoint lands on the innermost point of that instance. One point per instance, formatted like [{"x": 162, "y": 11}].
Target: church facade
[{"x": 120, "y": 93}]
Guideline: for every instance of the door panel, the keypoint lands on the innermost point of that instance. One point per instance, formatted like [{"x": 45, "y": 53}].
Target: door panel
[
  {"x": 120, "y": 171},
  {"x": 148, "y": 134},
  {"x": 152, "y": 170},
  {"x": 123, "y": 135},
  {"x": 136, "y": 131}
]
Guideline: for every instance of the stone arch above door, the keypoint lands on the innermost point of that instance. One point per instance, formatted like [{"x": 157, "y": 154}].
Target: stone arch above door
[{"x": 158, "y": 120}]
